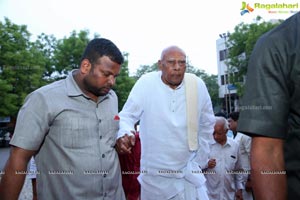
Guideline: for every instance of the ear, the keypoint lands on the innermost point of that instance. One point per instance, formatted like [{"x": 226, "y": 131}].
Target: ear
[
  {"x": 159, "y": 63},
  {"x": 85, "y": 66}
]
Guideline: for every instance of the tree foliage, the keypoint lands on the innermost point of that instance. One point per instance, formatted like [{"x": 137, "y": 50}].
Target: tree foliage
[
  {"x": 26, "y": 65},
  {"x": 241, "y": 43},
  {"x": 143, "y": 69},
  {"x": 68, "y": 51},
  {"x": 46, "y": 44},
  {"x": 124, "y": 83},
  {"x": 21, "y": 66}
]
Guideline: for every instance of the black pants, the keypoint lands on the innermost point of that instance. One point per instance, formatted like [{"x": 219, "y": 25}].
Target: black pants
[{"x": 293, "y": 178}]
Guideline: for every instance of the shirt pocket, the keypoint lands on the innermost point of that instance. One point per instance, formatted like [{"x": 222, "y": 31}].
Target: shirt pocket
[
  {"x": 75, "y": 134},
  {"x": 230, "y": 162}
]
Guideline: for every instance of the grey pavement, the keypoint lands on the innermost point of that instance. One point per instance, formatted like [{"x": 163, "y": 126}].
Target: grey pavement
[
  {"x": 4, "y": 153},
  {"x": 26, "y": 193}
]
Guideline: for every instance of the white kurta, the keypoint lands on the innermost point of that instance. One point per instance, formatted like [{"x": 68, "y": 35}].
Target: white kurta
[
  {"x": 224, "y": 179},
  {"x": 163, "y": 133},
  {"x": 244, "y": 142}
]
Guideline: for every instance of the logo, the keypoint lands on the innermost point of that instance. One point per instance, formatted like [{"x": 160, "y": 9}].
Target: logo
[
  {"x": 271, "y": 8},
  {"x": 246, "y": 8}
]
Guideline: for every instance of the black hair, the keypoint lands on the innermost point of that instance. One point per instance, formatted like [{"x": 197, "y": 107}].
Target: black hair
[
  {"x": 234, "y": 116},
  {"x": 221, "y": 114},
  {"x": 99, "y": 47}
]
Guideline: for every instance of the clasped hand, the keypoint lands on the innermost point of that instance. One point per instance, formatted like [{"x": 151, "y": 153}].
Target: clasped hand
[{"x": 124, "y": 144}]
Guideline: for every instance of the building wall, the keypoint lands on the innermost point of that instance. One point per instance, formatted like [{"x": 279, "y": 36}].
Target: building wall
[{"x": 224, "y": 82}]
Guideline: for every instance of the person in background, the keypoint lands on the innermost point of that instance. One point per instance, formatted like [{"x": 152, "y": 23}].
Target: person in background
[
  {"x": 70, "y": 126},
  {"x": 270, "y": 112},
  {"x": 244, "y": 142},
  {"x": 176, "y": 123},
  {"x": 222, "y": 114},
  {"x": 224, "y": 171},
  {"x": 32, "y": 176},
  {"x": 130, "y": 167}
]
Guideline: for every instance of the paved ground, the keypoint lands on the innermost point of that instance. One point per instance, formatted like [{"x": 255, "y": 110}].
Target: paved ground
[{"x": 4, "y": 153}]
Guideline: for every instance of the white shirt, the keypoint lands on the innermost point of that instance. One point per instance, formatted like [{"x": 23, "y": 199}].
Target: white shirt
[
  {"x": 245, "y": 147},
  {"x": 244, "y": 142},
  {"x": 222, "y": 181},
  {"x": 163, "y": 132}
]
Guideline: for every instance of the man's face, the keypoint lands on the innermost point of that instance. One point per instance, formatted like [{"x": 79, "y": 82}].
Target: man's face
[
  {"x": 220, "y": 133},
  {"x": 173, "y": 66},
  {"x": 101, "y": 77},
  {"x": 232, "y": 124}
]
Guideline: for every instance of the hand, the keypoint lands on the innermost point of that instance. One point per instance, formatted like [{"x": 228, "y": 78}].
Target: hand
[
  {"x": 248, "y": 186},
  {"x": 124, "y": 144},
  {"x": 239, "y": 195},
  {"x": 212, "y": 163}
]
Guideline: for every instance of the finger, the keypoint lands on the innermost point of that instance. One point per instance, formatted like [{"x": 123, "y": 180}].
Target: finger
[
  {"x": 122, "y": 143},
  {"x": 125, "y": 148},
  {"x": 132, "y": 140}
]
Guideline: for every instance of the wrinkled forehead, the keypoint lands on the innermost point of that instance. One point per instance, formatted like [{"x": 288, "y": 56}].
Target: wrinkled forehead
[{"x": 173, "y": 52}]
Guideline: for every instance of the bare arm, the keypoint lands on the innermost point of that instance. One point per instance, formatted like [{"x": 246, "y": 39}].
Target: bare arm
[
  {"x": 267, "y": 163},
  {"x": 12, "y": 181}
]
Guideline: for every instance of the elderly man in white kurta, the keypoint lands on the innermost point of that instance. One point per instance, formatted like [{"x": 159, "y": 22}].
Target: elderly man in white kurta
[
  {"x": 224, "y": 174},
  {"x": 169, "y": 166}
]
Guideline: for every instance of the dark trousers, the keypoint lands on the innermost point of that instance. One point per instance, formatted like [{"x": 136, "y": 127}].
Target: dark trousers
[{"x": 293, "y": 178}]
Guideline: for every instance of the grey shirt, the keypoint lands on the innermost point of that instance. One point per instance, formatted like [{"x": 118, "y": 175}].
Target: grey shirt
[{"x": 75, "y": 139}]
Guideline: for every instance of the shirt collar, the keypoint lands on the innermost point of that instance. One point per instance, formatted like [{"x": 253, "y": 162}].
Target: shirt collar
[
  {"x": 228, "y": 142},
  {"x": 73, "y": 89}
]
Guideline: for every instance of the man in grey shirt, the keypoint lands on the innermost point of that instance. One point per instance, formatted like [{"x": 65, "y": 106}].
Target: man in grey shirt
[{"x": 70, "y": 126}]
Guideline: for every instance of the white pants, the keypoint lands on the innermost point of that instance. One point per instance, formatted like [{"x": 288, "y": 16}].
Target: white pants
[{"x": 190, "y": 193}]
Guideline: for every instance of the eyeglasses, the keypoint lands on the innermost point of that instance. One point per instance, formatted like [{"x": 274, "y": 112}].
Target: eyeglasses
[{"x": 172, "y": 63}]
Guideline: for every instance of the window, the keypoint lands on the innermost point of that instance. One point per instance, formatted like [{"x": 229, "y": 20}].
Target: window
[
  {"x": 224, "y": 81},
  {"x": 223, "y": 54}
]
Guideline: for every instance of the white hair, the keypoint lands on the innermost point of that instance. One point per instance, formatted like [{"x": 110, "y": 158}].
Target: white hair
[{"x": 222, "y": 120}]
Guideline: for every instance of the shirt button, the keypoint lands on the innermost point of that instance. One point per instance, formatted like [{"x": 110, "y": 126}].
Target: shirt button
[
  {"x": 100, "y": 137},
  {"x": 99, "y": 120},
  {"x": 104, "y": 175},
  {"x": 103, "y": 155}
]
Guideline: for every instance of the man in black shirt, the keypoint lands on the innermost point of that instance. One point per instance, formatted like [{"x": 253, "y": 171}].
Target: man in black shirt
[{"x": 270, "y": 112}]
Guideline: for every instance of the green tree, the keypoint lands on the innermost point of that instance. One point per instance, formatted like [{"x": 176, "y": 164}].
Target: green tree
[
  {"x": 69, "y": 50},
  {"x": 143, "y": 69},
  {"x": 124, "y": 83},
  {"x": 21, "y": 66},
  {"x": 46, "y": 45},
  {"x": 241, "y": 43}
]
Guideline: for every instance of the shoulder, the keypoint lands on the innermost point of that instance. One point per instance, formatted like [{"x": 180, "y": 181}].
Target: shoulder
[
  {"x": 47, "y": 90},
  {"x": 282, "y": 35},
  {"x": 150, "y": 76},
  {"x": 192, "y": 77},
  {"x": 232, "y": 142},
  {"x": 148, "y": 80},
  {"x": 242, "y": 136}
]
